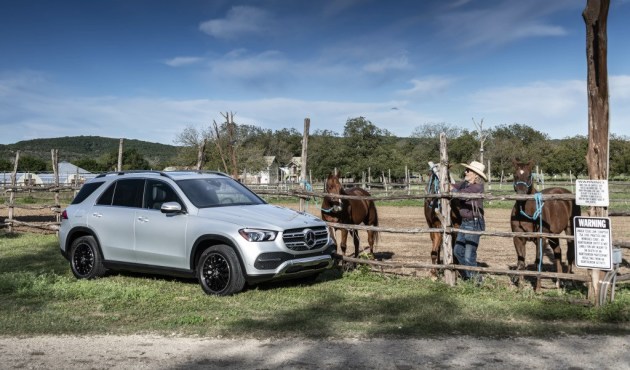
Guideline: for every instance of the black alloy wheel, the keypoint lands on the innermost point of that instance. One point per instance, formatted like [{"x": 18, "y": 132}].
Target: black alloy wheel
[
  {"x": 219, "y": 271},
  {"x": 85, "y": 259}
]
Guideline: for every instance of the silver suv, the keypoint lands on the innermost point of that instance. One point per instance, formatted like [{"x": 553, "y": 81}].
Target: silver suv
[{"x": 202, "y": 224}]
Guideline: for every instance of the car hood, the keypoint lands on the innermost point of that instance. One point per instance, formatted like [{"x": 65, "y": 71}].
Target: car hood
[{"x": 265, "y": 216}]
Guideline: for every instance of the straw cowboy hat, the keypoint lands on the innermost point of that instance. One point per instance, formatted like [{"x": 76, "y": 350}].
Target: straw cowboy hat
[{"x": 477, "y": 168}]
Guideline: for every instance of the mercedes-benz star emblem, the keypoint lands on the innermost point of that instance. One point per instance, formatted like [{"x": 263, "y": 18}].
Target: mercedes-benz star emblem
[{"x": 309, "y": 238}]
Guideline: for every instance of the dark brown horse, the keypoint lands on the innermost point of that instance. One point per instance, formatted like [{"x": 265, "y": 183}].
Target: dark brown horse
[
  {"x": 532, "y": 215},
  {"x": 349, "y": 211},
  {"x": 432, "y": 212}
]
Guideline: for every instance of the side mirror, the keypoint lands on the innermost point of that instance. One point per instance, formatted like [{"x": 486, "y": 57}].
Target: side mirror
[{"x": 171, "y": 208}]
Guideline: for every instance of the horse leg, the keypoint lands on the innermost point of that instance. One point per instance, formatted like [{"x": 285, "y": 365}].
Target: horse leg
[
  {"x": 570, "y": 256},
  {"x": 436, "y": 243},
  {"x": 570, "y": 250},
  {"x": 557, "y": 255},
  {"x": 355, "y": 239},
  {"x": 344, "y": 238},
  {"x": 332, "y": 231},
  {"x": 371, "y": 242},
  {"x": 541, "y": 246},
  {"x": 519, "y": 246}
]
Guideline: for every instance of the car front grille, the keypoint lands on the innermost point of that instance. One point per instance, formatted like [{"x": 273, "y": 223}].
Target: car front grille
[{"x": 305, "y": 239}]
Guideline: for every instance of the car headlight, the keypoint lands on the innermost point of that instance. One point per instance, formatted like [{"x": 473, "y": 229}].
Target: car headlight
[{"x": 257, "y": 235}]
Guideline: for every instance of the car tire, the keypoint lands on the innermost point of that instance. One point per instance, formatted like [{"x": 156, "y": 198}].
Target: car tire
[
  {"x": 219, "y": 271},
  {"x": 85, "y": 258}
]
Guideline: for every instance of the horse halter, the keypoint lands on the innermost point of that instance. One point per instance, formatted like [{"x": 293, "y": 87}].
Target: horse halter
[
  {"x": 336, "y": 203},
  {"x": 527, "y": 184}
]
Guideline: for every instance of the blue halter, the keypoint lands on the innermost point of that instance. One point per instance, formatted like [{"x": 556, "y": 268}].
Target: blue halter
[{"x": 536, "y": 216}]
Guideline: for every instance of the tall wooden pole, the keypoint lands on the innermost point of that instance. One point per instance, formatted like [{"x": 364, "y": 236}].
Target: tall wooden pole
[
  {"x": 596, "y": 18},
  {"x": 54, "y": 156},
  {"x": 13, "y": 189},
  {"x": 120, "y": 155},
  {"x": 307, "y": 125},
  {"x": 445, "y": 206}
]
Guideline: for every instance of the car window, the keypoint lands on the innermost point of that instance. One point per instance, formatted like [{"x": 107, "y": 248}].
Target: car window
[
  {"x": 106, "y": 198},
  {"x": 129, "y": 193},
  {"x": 158, "y": 193},
  {"x": 86, "y": 191},
  {"x": 207, "y": 192}
]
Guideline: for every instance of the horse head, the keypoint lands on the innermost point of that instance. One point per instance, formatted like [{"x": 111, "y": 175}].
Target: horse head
[
  {"x": 433, "y": 184},
  {"x": 333, "y": 186},
  {"x": 523, "y": 177}
]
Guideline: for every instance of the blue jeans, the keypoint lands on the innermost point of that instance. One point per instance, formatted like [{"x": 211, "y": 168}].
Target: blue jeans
[{"x": 465, "y": 249}]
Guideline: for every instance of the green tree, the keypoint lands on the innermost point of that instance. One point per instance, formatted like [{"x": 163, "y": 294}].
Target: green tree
[
  {"x": 362, "y": 140},
  {"x": 566, "y": 156},
  {"x": 131, "y": 160},
  {"x": 90, "y": 164},
  {"x": 463, "y": 148},
  {"x": 427, "y": 141},
  {"x": 31, "y": 164},
  {"x": 619, "y": 155},
  {"x": 324, "y": 153},
  {"x": 516, "y": 141},
  {"x": 5, "y": 165}
]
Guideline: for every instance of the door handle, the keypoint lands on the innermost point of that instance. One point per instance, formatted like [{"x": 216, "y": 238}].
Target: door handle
[{"x": 96, "y": 214}]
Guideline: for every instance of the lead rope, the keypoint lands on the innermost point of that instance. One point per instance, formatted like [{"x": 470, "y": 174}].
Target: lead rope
[
  {"x": 309, "y": 188},
  {"x": 537, "y": 215},
  {"x": 433, "y": 187}
]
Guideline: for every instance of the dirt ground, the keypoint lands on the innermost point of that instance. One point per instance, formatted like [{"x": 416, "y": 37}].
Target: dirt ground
[
  {"x": 172, "y": 352},
  {"x": 494, "y": 251}
]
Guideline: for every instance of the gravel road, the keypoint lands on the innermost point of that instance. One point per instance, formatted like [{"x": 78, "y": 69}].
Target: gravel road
[{"x": 159, "y": 352}]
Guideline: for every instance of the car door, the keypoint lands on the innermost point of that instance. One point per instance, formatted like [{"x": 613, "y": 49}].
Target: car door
[
  {"x": 113, "y": 219},
  {"x": 161, "y": 237}
]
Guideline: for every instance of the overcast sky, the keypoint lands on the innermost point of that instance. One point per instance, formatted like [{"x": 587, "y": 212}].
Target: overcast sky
[{"x": 146, "y": 69}]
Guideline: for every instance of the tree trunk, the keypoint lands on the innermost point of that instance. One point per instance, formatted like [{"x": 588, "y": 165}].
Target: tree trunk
[
  {"x": 596, "y": 17},
  {"x": 201, "y": 153}
]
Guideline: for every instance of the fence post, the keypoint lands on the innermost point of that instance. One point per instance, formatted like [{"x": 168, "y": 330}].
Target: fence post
[
  {"x": 407, "y": 180},
  {"x": 54, "y": 154},
  {"x": 307, "y": 125},
  {"x": 120, "y": 155},
  {"x": 445, "y": 205},
  {"x": 595, "y": 16},
  {"x": 13, "y": 189}
]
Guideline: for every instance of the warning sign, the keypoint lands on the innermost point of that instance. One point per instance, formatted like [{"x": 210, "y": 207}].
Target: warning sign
[
  {"x": 593, "y": 244},
  {"x": 591, "y": 193}
]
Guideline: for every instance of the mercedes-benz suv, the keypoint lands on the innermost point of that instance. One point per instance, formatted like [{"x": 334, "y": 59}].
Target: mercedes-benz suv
[{"x": 189, "y": 223}]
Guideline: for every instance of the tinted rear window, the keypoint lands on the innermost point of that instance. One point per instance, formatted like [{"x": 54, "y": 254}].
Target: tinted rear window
[
  {"x": 126, "y": 193},
  {"x": 129, "y": 193},
  {"x": 86, "y": 191}
]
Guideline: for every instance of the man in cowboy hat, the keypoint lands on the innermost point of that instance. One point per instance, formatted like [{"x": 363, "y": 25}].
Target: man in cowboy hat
[{"x": 471, "y": 212}]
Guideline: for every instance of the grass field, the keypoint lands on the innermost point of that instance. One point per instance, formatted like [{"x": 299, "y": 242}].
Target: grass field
[{"x": 39, "y": 295}]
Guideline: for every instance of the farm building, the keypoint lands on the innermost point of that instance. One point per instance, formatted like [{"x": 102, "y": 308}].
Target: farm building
[
  {"x": 291, "y": 172},
  {"x": 266, "y": 176},
  {"x": 69, "y": 174}
]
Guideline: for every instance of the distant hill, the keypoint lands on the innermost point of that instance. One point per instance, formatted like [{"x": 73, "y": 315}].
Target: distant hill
[{"x": 77, "y": 147}]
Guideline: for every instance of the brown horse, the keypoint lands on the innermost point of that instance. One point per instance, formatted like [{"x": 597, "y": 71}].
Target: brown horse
[
  {"x": 432, "y": 212},
  {"x": 349, "y": 211},
  {"x": 532, "y": 215}
]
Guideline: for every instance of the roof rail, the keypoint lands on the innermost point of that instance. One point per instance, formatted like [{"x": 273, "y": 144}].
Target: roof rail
[
  {"x": 120, "y": 173},
  {"x": 200, "y": 172}
]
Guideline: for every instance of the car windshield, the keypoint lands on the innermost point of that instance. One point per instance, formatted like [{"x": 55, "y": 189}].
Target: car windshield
[{"x": 218, "y": 192}]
